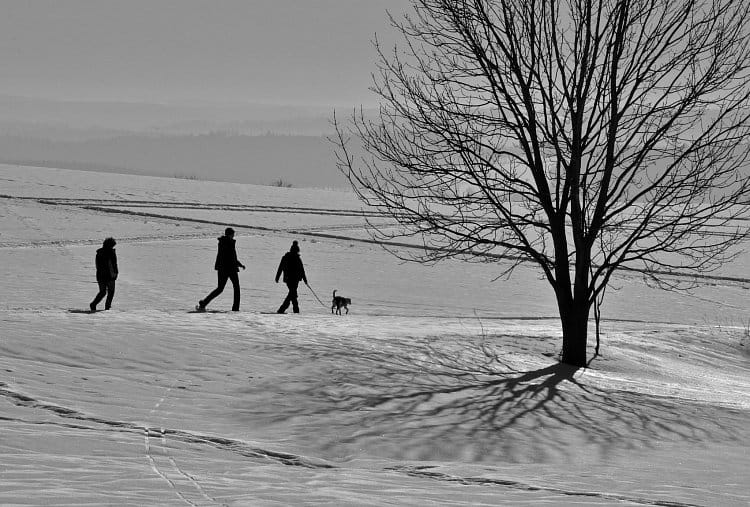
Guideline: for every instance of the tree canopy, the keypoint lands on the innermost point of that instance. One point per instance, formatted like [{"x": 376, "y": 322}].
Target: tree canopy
[{"x": 583, "y": 136}]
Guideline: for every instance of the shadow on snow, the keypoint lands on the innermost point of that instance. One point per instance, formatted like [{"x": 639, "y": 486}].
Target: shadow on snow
[{"x": 418, "y": 402}]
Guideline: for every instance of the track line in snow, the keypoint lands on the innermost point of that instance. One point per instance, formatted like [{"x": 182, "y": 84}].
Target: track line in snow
[
  {"x": 424, "y": 472},
  {"x": 302, "y": 231},
  {"x": 222, "y": 443},
  {"x": 97, "y": 241},
  {"x": 78, "y": 202},
  {"x": 244, "y": 449},
  {"x": 398, "y": 244},
  {"x": 172, "y": 462},
  {"x": 158, "y": 472}
]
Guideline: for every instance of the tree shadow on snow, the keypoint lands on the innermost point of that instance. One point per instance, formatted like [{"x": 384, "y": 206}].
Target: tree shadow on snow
[{"x": 424, "y": 403}]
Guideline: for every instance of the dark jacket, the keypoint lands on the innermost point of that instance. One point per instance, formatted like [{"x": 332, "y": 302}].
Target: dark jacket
[
  {"x": 106, "y": 264},
  {"x": 226, "y": 257},
  {"x": 291, "y": 266}
]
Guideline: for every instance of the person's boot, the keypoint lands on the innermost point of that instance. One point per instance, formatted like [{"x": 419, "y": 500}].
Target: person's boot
[{"x": 92, "y": 306}]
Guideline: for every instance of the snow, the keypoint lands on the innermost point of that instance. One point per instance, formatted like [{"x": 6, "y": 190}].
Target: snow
[{"x": 440, "y": 387}]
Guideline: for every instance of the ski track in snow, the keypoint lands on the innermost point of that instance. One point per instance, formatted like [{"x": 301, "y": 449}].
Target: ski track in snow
[{"x": 122, "y": 206}]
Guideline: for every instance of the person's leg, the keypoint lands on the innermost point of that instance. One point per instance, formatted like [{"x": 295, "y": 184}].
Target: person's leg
[
  {"x": 100, "y": 295},
  {"x": 110, "y": 294},
  {"x": 293, "y": 296},
  {"x": 288, "y": 299},
  {"x": 284, "y": 305},
  {"x": 236, "y": 286},
  {"x": 221, "y": 282}
]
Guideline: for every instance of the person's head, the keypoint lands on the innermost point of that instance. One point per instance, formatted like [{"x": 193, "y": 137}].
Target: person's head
[
  {"x": 295, "y": 247},
  {"x": 109, "y": 243},
  {"x": 229, "y": 232}
]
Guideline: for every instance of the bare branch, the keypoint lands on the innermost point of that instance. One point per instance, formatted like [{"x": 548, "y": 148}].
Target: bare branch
[{"x": 584, "y": 137}]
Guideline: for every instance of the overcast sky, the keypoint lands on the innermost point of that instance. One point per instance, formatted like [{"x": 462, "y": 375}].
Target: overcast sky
[{"x": 268, "y": 51}]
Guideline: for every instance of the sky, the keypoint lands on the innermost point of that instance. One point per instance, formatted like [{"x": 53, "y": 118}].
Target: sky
[{"x": 314, "y": 52}]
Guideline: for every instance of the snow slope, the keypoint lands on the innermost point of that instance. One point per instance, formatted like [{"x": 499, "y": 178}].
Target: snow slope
[{"x": 440, "y": 387}]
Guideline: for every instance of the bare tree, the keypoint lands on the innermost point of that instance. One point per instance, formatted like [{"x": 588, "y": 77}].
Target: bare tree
[
  {"x": 583, "y": 136},
  {"x": 278, "y": 182}
]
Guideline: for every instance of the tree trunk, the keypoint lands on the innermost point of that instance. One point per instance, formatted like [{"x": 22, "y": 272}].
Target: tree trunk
[{"x": 575, "y": 318}]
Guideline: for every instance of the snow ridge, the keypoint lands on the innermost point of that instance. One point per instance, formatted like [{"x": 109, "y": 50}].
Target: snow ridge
[
  {"x": 223, "y": 443},
  {"x": 424, "y": 471},
  {"x": 188, "y": 487}
]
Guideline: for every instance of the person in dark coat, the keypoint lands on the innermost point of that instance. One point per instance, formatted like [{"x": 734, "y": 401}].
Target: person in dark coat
[
  {"x": 226, "y": 266},
  {"x": 294, "y": 271},
  {"x": 106, "y": 273}
]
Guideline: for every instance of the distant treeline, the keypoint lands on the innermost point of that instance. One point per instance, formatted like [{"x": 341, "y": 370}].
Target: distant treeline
[{"x": 303, "y": 161}]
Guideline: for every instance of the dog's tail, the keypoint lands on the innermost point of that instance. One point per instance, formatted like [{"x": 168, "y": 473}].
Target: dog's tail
[{"x": 334, "y": 292}]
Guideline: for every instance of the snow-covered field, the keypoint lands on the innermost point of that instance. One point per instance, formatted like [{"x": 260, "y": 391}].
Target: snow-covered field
[{"x": 439, "y": 388}]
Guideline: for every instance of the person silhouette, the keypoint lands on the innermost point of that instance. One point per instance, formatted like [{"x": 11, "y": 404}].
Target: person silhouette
[
  {"x": 294, "y": 271},
  {"x": 226, "y": 266},
  {"x": 106, "y": 273}
]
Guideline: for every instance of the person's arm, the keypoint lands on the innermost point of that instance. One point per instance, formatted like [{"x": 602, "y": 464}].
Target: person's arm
[
  {"x": 304, "y": 276},
  {"x": 278, "y": 271},
  {"x": 237, "y": 262},
  {"x": 114, "y": 265}
]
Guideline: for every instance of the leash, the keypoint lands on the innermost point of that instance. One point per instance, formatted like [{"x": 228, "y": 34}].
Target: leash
[{"x": 316, "y": 296}]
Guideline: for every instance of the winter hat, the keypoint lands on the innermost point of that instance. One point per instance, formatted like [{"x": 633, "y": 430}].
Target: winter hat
[
  {"x": 228, "y": 231},
  {"x": 109, "y": 243},
  {"x": 295, "y": 246}
]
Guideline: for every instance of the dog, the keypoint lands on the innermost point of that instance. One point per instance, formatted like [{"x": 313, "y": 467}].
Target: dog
[{"x": 340, "y": 302}]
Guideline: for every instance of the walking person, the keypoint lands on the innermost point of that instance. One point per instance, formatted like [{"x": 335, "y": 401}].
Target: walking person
[
  {"x": 294, "y": 271},
  {"x": 226, "y": 266},
  {"x": 106, "y": 273}
]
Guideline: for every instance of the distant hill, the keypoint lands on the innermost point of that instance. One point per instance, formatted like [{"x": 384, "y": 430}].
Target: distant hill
[
  {"x": 25, "y": 114},
  {"x": 303, "y": 161},
  {"x": 249, "y": 143}
]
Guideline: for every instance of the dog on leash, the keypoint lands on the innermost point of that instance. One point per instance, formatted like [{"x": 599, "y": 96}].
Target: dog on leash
[{"x": 340, "y": 302}]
